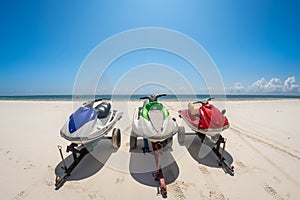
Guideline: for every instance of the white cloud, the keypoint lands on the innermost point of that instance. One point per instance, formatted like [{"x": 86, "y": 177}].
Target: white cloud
[
  {"x": 237, "y": 88},
  {"x": 274, "y": 85},
  {"x": 290, "y": 85},
  {"x": 262, "y": 85},
  {"x": 258, "y": 85}
]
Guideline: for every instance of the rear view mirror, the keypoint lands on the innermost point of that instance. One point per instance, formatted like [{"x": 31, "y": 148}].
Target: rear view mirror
[{"x": 224, "y": 111}]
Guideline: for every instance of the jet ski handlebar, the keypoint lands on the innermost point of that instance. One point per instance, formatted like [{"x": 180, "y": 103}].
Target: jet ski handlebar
[
  {"x": 204, "y": 101},
  {"x": 153, "y": 97},
  {"x": 94, "y": 101}
]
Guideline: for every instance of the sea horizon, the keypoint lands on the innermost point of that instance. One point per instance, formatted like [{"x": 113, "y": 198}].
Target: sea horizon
[{"x": 68, "y": 97}]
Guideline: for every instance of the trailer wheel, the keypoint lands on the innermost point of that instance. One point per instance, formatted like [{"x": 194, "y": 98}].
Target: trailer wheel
[
  {"x": 133, "y": 141},
  {"x": 181, "y": 135},
  {"x": 116, "y": 138}
]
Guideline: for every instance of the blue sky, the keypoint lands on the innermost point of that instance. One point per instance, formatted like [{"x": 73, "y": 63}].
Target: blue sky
[{"x": 255, "y": 44}]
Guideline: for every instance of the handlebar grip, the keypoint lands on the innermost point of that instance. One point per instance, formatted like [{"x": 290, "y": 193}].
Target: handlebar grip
[
  {"x": 198, "y": 102},
  {"x": 210, "y": 98},
  {"x": 144, "y": 97}
]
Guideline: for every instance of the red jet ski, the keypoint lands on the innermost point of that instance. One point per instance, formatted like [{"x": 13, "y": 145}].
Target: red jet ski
[{"x": 207, "y": 120}]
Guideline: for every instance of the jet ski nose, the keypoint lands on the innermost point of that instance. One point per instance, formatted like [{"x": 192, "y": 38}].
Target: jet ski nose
[{"x": 156, "y": 118}]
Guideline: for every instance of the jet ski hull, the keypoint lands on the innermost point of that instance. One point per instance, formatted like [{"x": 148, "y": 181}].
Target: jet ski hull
[
  {"x": 91, "y": 131},
  {"x": 141, "y": 127},
  {"x": 193, "y": 123}
]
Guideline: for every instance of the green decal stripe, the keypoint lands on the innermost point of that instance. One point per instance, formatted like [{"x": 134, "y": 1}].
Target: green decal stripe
[
  {"x": 145, "y": 113},
  {"x": 148, "y": 107},
  {"x": 166, "y": 112}
]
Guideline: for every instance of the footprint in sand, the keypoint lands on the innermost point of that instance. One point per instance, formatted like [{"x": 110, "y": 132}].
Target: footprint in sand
[
  {"x": 28, "y": 165},
  {"x": 203, "y": 170},
  {"x": 241, "y": 167},
  {"x": 214, "y": 195},
  {"x": 240, "y": 164},
  {"x": 120, "y": 180},
  {"x": 20, "y": 195},
  {"x": 211, "y": 186},
  {"x": 7, "y": 153},
  {"x": 176, "y": 189},
  {"x": 270, "y": 190},
  {"x": 94, "y": 196},
  {"x": 49, "y": 183}
]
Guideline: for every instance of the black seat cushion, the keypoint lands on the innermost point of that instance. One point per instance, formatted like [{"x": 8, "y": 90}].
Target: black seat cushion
[{"x": 103, "y": 109}]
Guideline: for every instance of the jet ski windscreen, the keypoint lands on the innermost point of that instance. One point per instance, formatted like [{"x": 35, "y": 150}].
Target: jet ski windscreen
[{"x": 80, "y": 117}]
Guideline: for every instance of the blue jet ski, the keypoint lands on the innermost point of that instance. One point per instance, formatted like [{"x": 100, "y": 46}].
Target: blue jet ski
[
  {"x": 85, "y": 127},
  {"x": 89, "y": 123}
]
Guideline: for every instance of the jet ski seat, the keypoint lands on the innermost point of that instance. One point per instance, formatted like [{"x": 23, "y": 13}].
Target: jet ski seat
[
  {"x": 194, "y": 109},
  {"x": 103, "y": 109}
]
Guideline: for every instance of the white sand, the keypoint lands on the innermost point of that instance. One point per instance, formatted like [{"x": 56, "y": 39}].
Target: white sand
[{"x": 263, "y": 142}]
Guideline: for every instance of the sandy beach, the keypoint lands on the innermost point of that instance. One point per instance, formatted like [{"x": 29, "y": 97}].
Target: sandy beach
[{"x": 262, "y": 143}]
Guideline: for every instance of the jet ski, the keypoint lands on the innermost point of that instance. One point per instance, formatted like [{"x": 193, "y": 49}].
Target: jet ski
[
  {"x": 85, "y": 127},
  {"x": 90, "y": 123},
  {"x": 153, "y": 123},
  {"x": 207, "y": 120}
]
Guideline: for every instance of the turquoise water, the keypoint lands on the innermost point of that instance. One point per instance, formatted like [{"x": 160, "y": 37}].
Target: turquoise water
[{"x": 136, "y": 97}]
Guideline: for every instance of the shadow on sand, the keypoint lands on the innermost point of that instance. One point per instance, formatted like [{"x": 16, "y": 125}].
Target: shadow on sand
[
  {"x": 142, "y": 166},
  {"x": 90, "y": 164},
  {"x": 202, "y": 152}
]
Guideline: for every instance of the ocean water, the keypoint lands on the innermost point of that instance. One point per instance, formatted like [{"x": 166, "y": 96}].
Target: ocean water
[{"x": 136, "y": 97}]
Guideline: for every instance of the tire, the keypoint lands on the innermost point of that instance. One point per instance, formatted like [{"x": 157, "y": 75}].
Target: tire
[
  {"x": 181, "y": 135},
  {"x": 116, "y": 138},
  {"x": 133, "y": 141}
]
